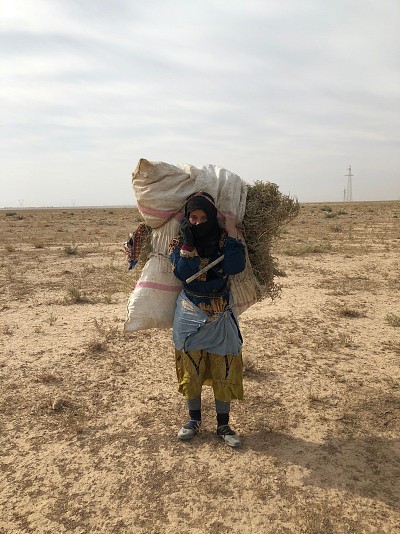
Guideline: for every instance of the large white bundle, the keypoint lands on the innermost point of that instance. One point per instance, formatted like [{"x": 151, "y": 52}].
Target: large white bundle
[{"x": 161, "y": 190}]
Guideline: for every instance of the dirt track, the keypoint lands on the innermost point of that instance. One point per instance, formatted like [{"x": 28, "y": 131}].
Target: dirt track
[{"x": 89, "y": 416}]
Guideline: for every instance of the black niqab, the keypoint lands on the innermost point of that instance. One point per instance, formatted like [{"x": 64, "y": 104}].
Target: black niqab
[{"x": 206, "y": 235}]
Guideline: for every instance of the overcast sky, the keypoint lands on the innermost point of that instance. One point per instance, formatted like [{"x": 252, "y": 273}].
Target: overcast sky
[{"x": 287, "y": 91}]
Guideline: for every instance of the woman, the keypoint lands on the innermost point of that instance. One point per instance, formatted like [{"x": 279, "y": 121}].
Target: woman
[{"x": 206, "y": 333}]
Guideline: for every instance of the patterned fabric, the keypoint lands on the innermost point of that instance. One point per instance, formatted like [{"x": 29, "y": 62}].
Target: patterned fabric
[
  {"x": 134, "y": 244},
  {"x": 196, "y": 368},
  {"x": 175, "y": 243}
]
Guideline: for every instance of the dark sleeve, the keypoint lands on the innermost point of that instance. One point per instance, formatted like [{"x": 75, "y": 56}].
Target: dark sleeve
[
  {"x": 184, "y": 267},
  {"x": 234, "y": 258}
]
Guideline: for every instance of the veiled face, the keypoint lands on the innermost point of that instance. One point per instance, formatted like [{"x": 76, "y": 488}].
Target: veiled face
[{"x": 197, "y": 217}]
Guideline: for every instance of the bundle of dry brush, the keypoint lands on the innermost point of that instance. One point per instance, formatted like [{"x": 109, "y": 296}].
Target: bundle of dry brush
[{"x": 267, "y": 210}]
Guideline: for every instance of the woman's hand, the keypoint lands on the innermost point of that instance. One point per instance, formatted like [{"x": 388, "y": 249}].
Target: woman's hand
[
  {"x": 230, "y": 225},
  {"x": 186, "y": 232}
]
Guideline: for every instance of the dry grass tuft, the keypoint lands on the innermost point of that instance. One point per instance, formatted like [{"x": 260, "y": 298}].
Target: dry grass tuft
[
  {"x": 331, "y": 343},
  {"x": 308, "y": 248},
  {"x": 391, "y": 345},
  {"x": 8, "y": 330},
  {"x": 71, "y": 250},
  {"x": 75, "y": 294},
  {"x": 105, "y": 334},
  {"x": 392, "y": 319},
  {"x": 47, "y": 377},
  {"x": 96, "y": 346},
  {"x": 109, "y": 333},
  {"x": 52, "y": 319},
  {"x": 351, "y": 313}
]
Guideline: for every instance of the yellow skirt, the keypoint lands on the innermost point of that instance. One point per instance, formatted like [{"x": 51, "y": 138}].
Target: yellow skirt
[{"x": 196, "y": 368}]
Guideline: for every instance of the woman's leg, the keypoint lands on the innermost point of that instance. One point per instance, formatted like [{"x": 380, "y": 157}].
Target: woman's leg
[
  {"x": 192, "y": 427},
  {"x": 227, "y": 376},
  {"x": 222, "y": 408},
  {"x": 194, "y": 407},
  {"x": 190, "y": 368}
]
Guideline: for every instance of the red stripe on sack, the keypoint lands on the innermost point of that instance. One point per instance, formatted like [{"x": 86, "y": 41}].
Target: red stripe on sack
[
  {"x": 155, "y": 285},
  {"x": 161, "y": 214}
]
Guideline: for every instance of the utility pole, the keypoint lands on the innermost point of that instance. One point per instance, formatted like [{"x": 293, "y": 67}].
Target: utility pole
[{"x": 349, "y": 196}]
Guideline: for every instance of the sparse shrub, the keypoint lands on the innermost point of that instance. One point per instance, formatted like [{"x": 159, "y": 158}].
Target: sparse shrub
[
  {"x": 97, "y": 345},
  {"x": 104, "y": 335},
  {"x": 52, "y": 319},
  {"x": 325, "y": 342},
  {"x": 345, "y": 340},
  {"x": 336, "y": 228},
  {"x": 11, "y": 213},
  {"x": 392, "y": 345},
  {"x": 38, "y": 244},
  {"x": 341, "y": 212},
  {"x": 107, "y": 332},
  {"x": 328, "y": 342},
  {"x": 249, "y": 368},
  {"x": 9, "y": 248},
  {"x": 71, "y": 250},
  {"x": 326, "y": 208},
  {"x": 330, "y": 215},
  {"x": 47, "y": 377},
  {"x": 75, "y": 294},
  {"x": 349, "y": 312},
  {"x": 392, "y": 319},
  {"x": 107, "y": 298},
  {"x": 8, "y": 330},
  {"x": 308, "y": 248}
]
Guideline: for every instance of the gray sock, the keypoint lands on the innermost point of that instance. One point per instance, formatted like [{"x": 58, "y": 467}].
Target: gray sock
[
  {"x": 194, "y": 404},
  {"x": 222, "y": 407}
]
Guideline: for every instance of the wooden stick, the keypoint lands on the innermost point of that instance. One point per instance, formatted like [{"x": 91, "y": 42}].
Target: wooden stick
[{"x": 204, "y": 269}]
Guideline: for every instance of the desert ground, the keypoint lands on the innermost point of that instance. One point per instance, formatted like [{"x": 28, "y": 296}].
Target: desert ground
[{"x": 89, "y": 415}]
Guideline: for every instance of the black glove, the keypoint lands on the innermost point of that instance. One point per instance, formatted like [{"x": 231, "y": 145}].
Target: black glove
[{"x": 186, "y": 232}]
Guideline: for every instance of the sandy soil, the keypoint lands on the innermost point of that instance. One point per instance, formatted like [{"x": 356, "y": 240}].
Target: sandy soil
[{"x": 88, "y": 415}]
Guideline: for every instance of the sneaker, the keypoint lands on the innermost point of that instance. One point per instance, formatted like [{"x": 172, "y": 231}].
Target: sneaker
[
  {"x": 228, "y": 435},
  {"x": 189, "y": 430}
]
